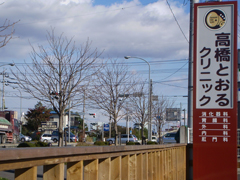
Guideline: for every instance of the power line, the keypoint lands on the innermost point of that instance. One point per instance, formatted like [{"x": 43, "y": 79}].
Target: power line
[
  {"x": 171, "y": 80},
  {"x": 173, "y": 85},
  {"x": 177, "y": 21},
  {"x": 132, "y": 62},
  {"x": 175, "y": 71}
]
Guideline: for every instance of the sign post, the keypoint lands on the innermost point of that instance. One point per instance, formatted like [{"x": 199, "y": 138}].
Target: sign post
[{"x": 215, "y": 91}]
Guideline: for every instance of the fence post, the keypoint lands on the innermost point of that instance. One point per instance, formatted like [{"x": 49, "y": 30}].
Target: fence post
[
  {"x": 75, "y": 170},
  {"x": 53, "y": 172},
  {"x": 104, "y": 172},
  {"x": 26, "y": 173},
  {"x": 91, "y": 169}
]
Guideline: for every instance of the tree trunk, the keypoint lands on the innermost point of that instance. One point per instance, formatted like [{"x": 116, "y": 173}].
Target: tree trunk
[
  {"x": 116, "y": 129},
  {"x": 143, "y": 138},
  {"x": 116, "y": 132},
  {"x": 60, "y": 130},
  {"x": 159, "y": 135}
]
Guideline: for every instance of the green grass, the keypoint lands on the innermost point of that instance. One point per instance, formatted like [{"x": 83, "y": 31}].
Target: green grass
[
  {"x": 3, "y": 178},
  {"x": 83, "y": 144},
  {"x": 29, "y": 144},
  {"x": 101, "y": 143}
]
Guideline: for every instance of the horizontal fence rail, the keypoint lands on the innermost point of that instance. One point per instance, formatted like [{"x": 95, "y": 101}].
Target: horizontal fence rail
[{"x": 149, "y": 162}]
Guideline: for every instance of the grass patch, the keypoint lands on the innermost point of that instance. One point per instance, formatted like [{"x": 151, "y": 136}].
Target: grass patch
[
  {"x": 3, "y": 178},
  {"x": 101, "y": 143},
  {"x": 84, "y": 144},
  {"x": 132, "y": 143},
  {"x": 152, "y": 142},
  {"x": 41, "y": 144},
  {"x": 26, "y": 144},
  {"x": 36, "y": 144}
]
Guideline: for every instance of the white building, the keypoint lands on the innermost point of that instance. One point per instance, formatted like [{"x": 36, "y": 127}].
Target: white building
[{"x": 96, "y": 126}]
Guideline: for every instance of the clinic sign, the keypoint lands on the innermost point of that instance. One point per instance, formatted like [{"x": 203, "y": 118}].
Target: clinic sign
[{"x": 215, "y": 91}]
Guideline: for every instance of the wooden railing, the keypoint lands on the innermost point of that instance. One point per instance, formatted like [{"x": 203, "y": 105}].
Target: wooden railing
[{"x": 147, "y": 162}]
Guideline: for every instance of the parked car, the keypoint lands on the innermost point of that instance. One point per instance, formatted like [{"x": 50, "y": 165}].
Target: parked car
[
  {"x": 24, "y": 138},
  {"x": 168, "y": 138},
  {"x": 46, "y": 138},
  {"x": 154, "y": 138},
  {"x": 55, "y": 134},
  {"x": 124, "y": 139}
]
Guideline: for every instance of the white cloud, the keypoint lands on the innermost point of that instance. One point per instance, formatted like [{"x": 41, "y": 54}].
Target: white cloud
[
  {"x": 66, "y": 2},
  {"x": 147, "y": 31},
  {"x": 128, "y": 28}
]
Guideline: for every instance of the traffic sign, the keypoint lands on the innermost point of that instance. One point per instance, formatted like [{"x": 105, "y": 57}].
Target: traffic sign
[{"x": 106, "y": 127}]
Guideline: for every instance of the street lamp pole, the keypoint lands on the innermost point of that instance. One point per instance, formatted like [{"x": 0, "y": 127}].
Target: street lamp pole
[{"x": 149, "y": 98}]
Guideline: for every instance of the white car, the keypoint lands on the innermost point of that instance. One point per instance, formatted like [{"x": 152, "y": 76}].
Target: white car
[
  {"x": 46, "y": 138},
  {"x": 154, "y": 138},
  {"x": 124, "y": 139},
  {"x": 24, "y": 138}
]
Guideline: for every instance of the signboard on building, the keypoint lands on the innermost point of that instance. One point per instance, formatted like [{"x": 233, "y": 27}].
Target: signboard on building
[
  {"x": 215, "y": 91},
  {"x": 49, "y": 125},
  {"x": 173, "y": 114}
]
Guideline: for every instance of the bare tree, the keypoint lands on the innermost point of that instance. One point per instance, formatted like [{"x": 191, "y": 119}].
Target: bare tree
[
  {"x": 114, "y": 79},
  {"x": 58, "y": 73},
  {"x": 139, "y": 105},
  {"x": 159, "y": 112},
  {"x": 6, "y": 32}
]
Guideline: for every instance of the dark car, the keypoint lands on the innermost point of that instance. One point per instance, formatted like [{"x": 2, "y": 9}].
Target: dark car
[{"x": 168, "y": 138}]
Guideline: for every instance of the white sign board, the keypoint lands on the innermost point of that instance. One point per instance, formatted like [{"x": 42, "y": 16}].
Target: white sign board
[{"x": 214, "y": 58}]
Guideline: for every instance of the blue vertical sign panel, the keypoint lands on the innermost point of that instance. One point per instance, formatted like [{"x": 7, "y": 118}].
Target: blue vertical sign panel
[{"x": 106, "y": 127}]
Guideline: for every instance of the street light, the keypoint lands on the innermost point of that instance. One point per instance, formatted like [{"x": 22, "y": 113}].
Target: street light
[
  {"x": 9, "y": 64},
  {"x": 149, "y": 98}
]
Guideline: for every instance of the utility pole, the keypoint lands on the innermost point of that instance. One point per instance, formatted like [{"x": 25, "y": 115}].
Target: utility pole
[
  {"x": 3, "y": 98},
  {"x": 69, "y": 112},
  {"x": 190, "y": 65},
  {"x": 103, "y": 132},
  {"x": 150, "y": 112},
  {"x": 180, "y": 114},
  {"x": 69, "y": 122},
  {"x": 127, "y": 125},
  {"x": 184, "y": 116},
  {"x": 83, "y": 131},
  {"x": 110, "y": 125}
]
